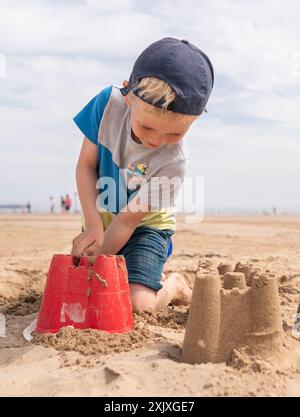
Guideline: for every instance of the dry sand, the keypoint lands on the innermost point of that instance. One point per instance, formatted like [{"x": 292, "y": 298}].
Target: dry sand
[{"x": 148, "y": 360}]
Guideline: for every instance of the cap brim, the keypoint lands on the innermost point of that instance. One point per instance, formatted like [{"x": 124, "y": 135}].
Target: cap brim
[{"x": 124, "y": 91}]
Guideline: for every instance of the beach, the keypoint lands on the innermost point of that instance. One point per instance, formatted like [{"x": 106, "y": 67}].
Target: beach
[{"x": 148, "y": 362}]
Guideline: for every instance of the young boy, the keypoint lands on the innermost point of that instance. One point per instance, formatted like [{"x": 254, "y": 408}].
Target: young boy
[{"x": 133, "y": 140}]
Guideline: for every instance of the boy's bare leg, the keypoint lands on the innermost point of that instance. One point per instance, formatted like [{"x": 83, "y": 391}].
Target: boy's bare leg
[{"x": 174, "y": 287}]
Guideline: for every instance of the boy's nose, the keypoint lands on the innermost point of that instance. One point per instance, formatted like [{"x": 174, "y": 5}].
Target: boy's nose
[{"x": 156, "y": 141}]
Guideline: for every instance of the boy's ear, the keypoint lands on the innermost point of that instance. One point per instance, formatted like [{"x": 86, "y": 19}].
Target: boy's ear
[{"x": 126, "y": 98}]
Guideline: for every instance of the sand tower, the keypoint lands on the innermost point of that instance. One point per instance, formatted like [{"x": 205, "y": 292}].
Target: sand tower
[
  {"x": 223, "y": 268},
  {"x": 237, "y": 315}
]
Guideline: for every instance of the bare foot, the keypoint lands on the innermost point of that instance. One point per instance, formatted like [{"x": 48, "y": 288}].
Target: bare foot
[{"x": 184, "y": 293}]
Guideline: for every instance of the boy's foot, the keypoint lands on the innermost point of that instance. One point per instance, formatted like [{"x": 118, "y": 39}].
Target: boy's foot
[{"x": 184, "y": 293}]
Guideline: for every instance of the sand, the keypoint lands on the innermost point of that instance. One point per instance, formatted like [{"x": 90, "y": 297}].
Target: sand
[
  {"x": 92, "y": 342},
  {"x": 148, "y": 361},
  {"x": 95, "y": 342}
]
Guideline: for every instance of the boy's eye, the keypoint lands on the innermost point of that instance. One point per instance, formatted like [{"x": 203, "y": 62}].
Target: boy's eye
[{"x": 169, "y": 134}]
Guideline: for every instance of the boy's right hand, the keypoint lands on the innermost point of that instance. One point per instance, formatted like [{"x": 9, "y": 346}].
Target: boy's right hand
[{"x": 87, "y": 243}]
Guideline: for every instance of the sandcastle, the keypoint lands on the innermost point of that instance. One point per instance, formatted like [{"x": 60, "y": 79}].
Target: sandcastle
[{"x": 238, "y": 309}]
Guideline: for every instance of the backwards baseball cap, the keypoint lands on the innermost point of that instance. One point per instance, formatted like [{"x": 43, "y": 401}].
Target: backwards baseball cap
[{"x": 180, "y": 64}]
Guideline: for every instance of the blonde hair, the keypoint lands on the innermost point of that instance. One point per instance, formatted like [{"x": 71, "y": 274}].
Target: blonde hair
[{"x": 155, "y": 90}]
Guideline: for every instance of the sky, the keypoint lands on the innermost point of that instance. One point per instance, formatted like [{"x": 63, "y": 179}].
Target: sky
[{"x": 56, "y": 55}]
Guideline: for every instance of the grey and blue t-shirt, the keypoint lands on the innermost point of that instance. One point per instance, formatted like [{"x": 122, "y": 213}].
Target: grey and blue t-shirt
[{"x": 126, "y": 167}]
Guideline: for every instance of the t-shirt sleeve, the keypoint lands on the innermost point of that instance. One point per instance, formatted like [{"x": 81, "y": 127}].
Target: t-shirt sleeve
[
  {"x": 89, "y": 118},
  {"x": 161, "y": 189}
]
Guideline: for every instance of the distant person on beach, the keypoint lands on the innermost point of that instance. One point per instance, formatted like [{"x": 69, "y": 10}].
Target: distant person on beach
[
  {"x": 62, "y": 204},
  {"x": 68, "y": 202},
  {"x": 52, "y": 205},
  {"x": 28, "y": 207},
  {"x": 133, "y": 142}
]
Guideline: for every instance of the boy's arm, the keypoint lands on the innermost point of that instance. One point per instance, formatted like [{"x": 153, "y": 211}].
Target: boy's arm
[
  {"x": 121, "y": 228},
  {"x": 151, "y": 196},
  {"x": 86, "y": 178}
]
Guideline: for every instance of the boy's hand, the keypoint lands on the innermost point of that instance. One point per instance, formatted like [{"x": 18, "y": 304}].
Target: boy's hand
[{"x": 88, "y": 243}]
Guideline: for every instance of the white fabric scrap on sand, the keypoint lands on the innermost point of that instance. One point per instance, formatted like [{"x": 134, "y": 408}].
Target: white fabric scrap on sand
[{"x": 29, "y": 329}]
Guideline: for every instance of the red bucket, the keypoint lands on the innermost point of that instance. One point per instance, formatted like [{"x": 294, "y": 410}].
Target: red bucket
[{"x": 89, "y": 295}]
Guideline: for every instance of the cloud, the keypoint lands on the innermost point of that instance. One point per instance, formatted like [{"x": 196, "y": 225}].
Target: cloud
[
  {"x": 58, "y": 55},
  {"x": 43, "y": 28}
]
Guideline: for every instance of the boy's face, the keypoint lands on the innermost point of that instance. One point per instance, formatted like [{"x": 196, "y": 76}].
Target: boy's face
[{"x": 153, "y": 130}]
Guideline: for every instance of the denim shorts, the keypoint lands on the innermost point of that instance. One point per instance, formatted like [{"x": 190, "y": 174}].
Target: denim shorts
[{"x": 146, "y": 252}]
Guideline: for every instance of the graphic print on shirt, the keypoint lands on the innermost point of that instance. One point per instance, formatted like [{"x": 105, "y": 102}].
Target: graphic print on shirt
[{"x": 136, "y": 173}]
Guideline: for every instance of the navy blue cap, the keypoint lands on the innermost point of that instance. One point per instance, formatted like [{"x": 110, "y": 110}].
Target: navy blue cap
[{"x": 183, "y": 66}]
